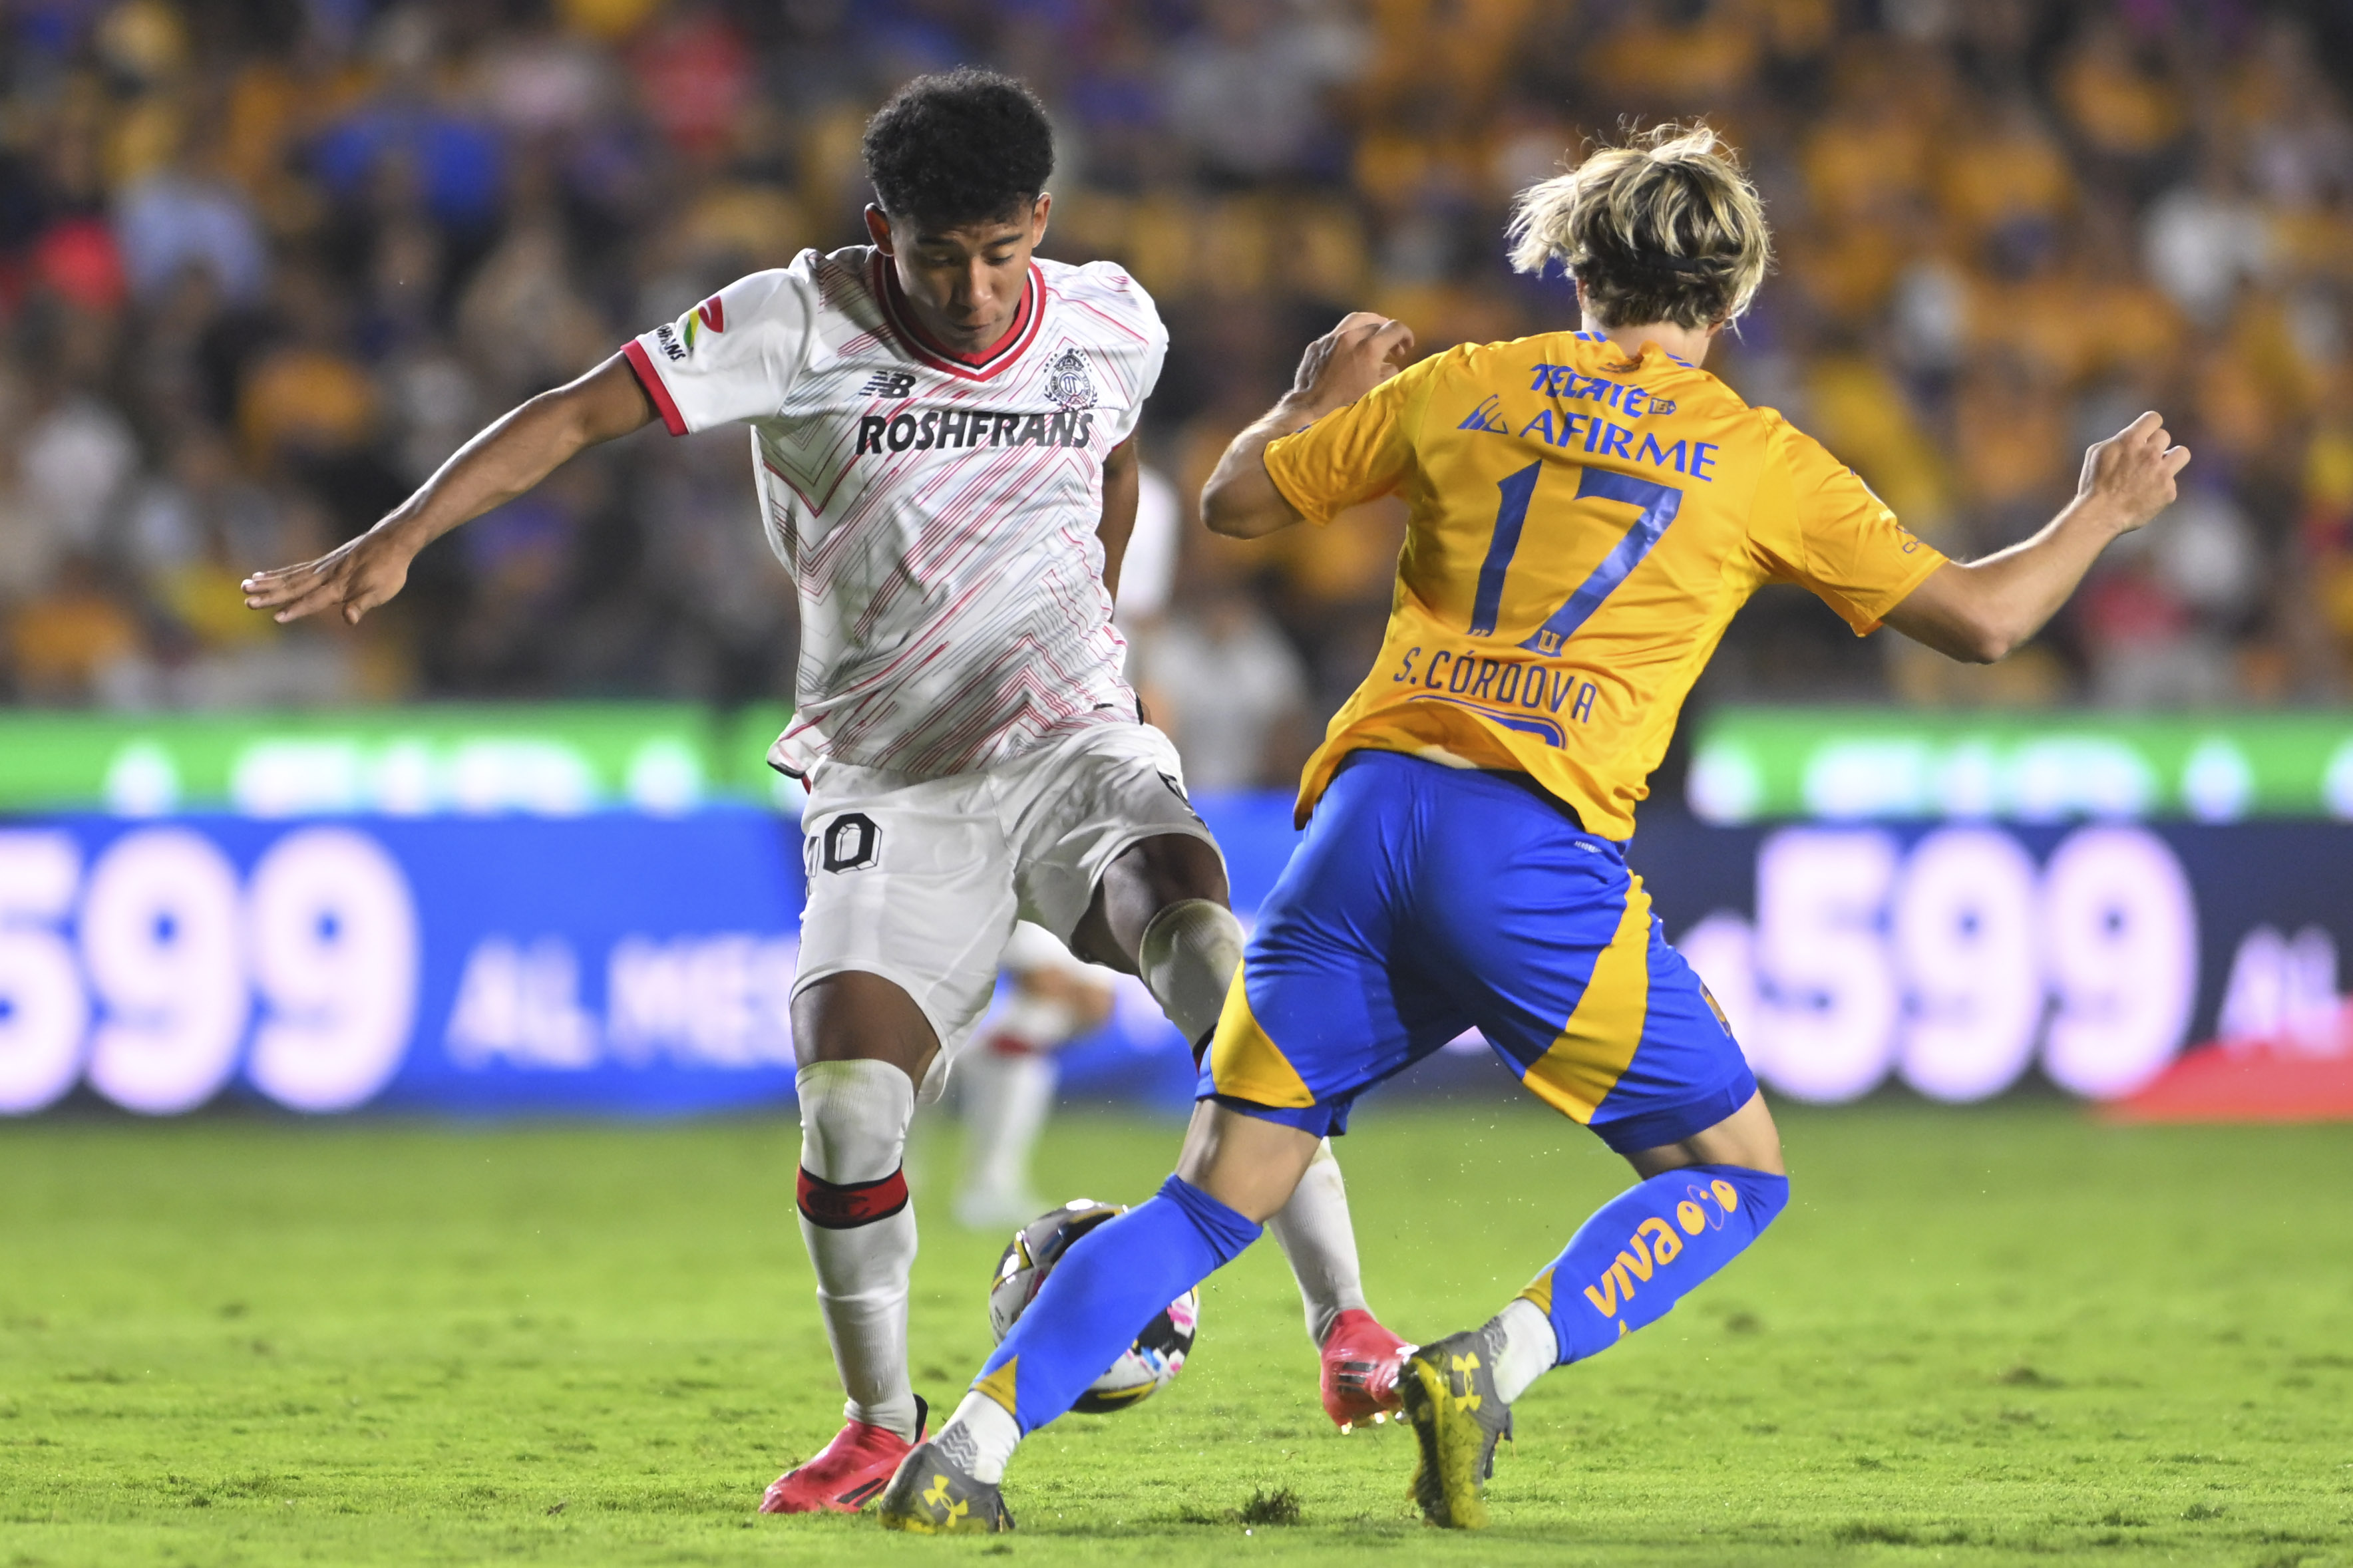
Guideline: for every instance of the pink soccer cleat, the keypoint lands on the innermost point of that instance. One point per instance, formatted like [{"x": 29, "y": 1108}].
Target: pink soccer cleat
[
  {"x": 1360, "y": 1370},
  {"x": 853, "y": 1467}
]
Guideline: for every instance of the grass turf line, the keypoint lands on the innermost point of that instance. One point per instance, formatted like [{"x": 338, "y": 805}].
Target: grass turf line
[{"x": 1978, "y": 1337}]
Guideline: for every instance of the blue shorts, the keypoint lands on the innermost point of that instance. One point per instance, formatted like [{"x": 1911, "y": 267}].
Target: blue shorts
[{"x": 1425, "y": 900}]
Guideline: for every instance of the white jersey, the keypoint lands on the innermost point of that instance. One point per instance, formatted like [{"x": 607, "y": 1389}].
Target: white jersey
[{"x": 938, "y": 512}]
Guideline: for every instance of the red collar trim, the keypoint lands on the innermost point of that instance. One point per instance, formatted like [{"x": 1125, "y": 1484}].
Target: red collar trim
[{"x": 984, "y": 366}]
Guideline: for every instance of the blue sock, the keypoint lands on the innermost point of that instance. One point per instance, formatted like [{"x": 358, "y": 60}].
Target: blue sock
[
  {"x": 1103, "y": 1292},
  {"x": 1648, "y": 1248}
]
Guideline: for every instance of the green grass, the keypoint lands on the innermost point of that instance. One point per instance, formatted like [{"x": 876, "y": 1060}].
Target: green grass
[{"x": 1978, "y": 1337}]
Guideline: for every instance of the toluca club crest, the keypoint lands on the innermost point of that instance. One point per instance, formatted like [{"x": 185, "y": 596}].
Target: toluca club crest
[{"x": 1067, "y": 382}]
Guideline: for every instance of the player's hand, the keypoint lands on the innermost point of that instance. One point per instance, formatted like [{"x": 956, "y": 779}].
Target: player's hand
[
  {"x": 352, "y": 578},
  {"x": 1364, "y": 350},
  {"x": 2132, "y": 472}
]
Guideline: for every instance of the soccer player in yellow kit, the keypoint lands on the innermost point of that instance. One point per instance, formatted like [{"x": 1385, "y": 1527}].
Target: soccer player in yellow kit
[{"x": 1589, "y": 509}]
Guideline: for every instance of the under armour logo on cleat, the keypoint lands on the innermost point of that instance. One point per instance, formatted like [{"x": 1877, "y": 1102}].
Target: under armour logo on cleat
[
  {"x": 937, "y": 1494},
  {"x": 1464, "y": 1365}
]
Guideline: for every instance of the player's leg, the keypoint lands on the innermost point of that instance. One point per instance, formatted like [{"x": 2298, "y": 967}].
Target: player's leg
[
  {"x": 1169, "y": 900},
  {"x": 1006, "y": 1080},
  {"x": 1322, "y": 980},
  {"x": 1702, "y": 1200},
  {"x": 1231, "y": 1176},
  {"x": 1583, "y": 997},
  {"x": 1160, "y": 909},
  {"x": 910, "y": 901},
  {"x": 868, "y": 1046}
]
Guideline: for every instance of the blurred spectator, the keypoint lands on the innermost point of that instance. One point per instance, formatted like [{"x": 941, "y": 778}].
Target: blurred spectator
[
  {"x": 77, "y": 458},
  {"x": 524, "y": 325},
  {"x": 262, "y": 268},
  {"x": 1229, "y": 690},
  {"x": 416, "y": 127},
  {"x": 178, "y": 217},
  {"x": 2203, "y": 239},
  {"x": 1244, "y": 91},
  {"x": 77, "y": 643},
  {"x": 308, "y": 396}
]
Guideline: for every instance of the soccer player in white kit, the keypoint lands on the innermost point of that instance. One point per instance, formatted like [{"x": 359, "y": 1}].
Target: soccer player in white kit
[{"x": 943, "y": 443}]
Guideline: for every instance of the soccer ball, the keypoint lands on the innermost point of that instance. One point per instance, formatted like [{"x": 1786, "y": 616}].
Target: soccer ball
[{"x": 1158, "y": 1354}]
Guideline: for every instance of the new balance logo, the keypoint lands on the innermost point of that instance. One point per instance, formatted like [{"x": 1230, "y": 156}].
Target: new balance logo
[{"x": 887, "y": 383}]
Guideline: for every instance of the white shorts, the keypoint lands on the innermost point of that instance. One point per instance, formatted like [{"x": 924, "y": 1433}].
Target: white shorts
[
  {"x": 920, "y": 881},
  {"x": 1034, "y": 950}
]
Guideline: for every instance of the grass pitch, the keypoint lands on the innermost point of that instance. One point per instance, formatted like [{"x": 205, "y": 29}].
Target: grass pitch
[{"x": 1977, "y": 1337}]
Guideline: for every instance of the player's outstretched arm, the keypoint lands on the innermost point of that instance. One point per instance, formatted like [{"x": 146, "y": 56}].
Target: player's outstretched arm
[
  {"x": 1980, "y": 611},
  {"x": 498, "y": 465},
  {"x": 1364, "y": 350}
]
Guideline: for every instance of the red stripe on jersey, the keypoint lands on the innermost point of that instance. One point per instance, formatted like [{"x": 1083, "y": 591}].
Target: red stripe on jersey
[
  {"x": 986, "y": 366},
  {"x": 651, "y": 379}
]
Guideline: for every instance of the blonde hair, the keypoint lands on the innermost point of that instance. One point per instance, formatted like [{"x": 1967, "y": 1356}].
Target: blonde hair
[{"x": 1666, "y": 228}]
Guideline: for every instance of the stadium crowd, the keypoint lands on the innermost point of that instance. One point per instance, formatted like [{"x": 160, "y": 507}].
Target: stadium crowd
[{"x": 265, "y": 263}]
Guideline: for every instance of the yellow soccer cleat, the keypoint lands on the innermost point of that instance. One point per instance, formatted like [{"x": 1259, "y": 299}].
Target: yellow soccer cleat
[
  {"x": 1449, "y": 1397},
  {"x": 933, "y": 1495}
]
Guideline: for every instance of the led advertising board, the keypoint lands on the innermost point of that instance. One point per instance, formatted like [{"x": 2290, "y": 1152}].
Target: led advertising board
[{"x": 596, "y": 912}]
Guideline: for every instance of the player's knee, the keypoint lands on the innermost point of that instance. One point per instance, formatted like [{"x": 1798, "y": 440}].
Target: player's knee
[
  {"x": 1250, "y": 1164},
  {"x": 854, "y": 1116},
  {"x": 1148, "y": 880},
  {"x": 1761, "y": 1195},
  {"x": 854, "y": 1016}
]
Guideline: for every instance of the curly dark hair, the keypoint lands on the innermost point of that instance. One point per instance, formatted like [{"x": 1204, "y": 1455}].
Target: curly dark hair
[{"x": 958, "y": 147}]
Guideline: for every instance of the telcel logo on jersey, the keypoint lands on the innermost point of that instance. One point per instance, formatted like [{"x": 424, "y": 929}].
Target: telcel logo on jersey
[
  {"x": 968, "y": 429},
  {"x": 1654, "y": 1243}
]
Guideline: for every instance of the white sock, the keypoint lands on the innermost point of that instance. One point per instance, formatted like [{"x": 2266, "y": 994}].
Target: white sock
[
  {"x": 1531, "y": 1348},
  {"x": 981, "y": 1437},
  {"x": 1008, "y": 1095},
  {"x": 1187, "y": 957},
  {"x": 854, "y": 1116},
  {"x": 1313, "y": 1232}
]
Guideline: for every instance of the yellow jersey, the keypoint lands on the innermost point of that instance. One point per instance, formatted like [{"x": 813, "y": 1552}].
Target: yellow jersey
[{"x": 1583, "y": 525}]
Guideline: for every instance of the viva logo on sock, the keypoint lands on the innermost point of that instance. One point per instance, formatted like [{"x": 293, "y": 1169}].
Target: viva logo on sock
[{"x": 1654, "y": 1243}]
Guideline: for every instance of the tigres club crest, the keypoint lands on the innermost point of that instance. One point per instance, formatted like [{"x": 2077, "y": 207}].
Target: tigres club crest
[{"x": 1067, "y": 382}]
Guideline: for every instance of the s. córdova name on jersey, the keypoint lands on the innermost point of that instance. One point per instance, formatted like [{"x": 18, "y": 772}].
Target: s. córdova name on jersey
[{"x": 970, "y": 429}]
